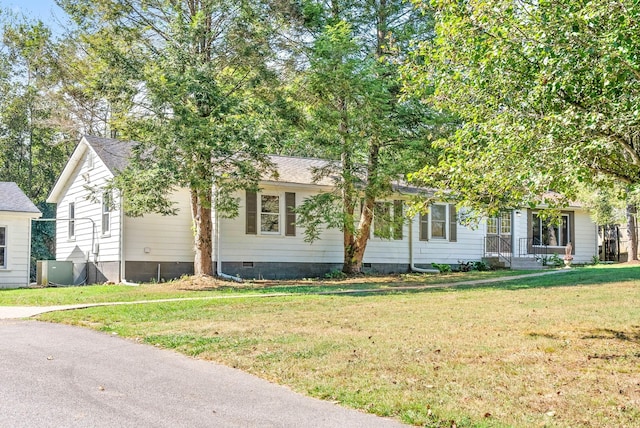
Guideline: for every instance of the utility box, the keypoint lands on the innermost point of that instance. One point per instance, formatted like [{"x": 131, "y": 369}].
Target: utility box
[{"x": 53, "y": 272}]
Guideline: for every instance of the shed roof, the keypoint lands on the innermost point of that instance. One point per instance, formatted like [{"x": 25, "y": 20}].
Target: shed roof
[{"x": 14, "y": 200}]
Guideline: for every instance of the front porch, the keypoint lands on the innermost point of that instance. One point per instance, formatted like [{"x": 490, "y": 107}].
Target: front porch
[{"x": 499, "y": 253}]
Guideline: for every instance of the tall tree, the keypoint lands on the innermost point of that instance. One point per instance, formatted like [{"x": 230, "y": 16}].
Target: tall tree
[
  {"x": 31, "y": 151},
  {"x": 33, "y": 148},
  {"x": 183, "y": 78},
  {"x": 548, "y": 93},
  {"x": 356, "y": 116}
]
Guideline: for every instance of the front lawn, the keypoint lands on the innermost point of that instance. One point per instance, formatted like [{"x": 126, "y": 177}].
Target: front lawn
[
  {"x": 190, "y": 287},
  {"x": 531, "y": 352}
]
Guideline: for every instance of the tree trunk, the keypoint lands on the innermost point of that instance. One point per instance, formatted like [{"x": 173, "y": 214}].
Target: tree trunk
[
  {"x": 203, "y": 228},
  {"x": 632, "y": 232},
  {"x": 354, "y": 252}
]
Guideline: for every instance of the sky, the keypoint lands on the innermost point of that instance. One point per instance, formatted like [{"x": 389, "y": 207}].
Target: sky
[{"x": 45, "y": 10}]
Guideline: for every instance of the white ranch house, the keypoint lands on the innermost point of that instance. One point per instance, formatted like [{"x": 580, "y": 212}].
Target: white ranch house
[
  {"x": 263, "y": 240},
  {"x": 16, "y": 213}
]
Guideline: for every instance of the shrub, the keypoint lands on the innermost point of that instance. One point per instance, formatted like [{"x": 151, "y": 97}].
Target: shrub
[
  {"x": 442, "y": 267},
  {"x": 481, "y": 266},
  {"x": 335, "y": 274}
]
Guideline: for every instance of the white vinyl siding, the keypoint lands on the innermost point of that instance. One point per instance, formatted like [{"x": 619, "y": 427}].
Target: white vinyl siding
[
  {"x": 88, "y": 211},
  {"x": 158, "y": 238},
  {"x": 468, "y": 244},
  {"x": 17, "y": 230},
  {"x": 239, "y": 243},
  {"x": 585, "y": 239},
  {"x": 238, "y": 246}
]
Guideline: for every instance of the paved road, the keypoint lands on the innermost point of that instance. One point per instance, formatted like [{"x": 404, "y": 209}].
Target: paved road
[{"x": 60, "y": 376}]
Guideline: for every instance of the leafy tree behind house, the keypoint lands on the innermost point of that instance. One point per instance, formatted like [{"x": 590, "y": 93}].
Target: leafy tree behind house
[{"x": 33, "y": 148}]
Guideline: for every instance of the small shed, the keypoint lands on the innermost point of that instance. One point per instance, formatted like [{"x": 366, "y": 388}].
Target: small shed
[{"x": 16, "y": 213}]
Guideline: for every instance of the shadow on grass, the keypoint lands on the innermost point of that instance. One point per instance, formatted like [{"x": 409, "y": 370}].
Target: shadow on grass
[
  {"x": 577, "y": 276},
  {"x": 606, "y": 333}
]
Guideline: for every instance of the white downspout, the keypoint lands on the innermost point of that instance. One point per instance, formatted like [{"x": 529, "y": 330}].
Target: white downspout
[
  {"x": 216, "y": 232},
  {"x": 122, "y": 262},
  {"x": 122, "y": 252},
  {"x": 412, "y": 266}
]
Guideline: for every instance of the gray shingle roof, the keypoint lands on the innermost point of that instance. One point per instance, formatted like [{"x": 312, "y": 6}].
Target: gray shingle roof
[
  {"x": 114, "y": 153},
  {"x": 299, "y": 170},
  {"x": 14, "y": 200}
]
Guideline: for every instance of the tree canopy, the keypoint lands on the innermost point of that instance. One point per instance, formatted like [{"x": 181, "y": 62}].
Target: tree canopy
[
  {"x": 547, "y": 93},
  {"x": 184, "y": 79},
  {"x": 355, "y": 115}
]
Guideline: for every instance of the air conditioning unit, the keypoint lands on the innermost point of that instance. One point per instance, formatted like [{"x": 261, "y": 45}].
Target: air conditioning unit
[{"x": 54, "y": 272}]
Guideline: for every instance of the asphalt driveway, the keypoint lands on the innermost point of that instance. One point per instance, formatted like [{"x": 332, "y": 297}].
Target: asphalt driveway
[{"x": 60, "y": 376}]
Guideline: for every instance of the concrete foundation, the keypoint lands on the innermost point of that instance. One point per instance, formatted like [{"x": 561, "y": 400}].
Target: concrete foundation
[
  {"x": 275, "y": 270},
  {"x": 156, "y": 271}
]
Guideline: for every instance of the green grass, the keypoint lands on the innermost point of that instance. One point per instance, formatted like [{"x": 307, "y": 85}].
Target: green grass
[
  {"x": 122, "y": 293},
  {"x": 560, "y": 350}
]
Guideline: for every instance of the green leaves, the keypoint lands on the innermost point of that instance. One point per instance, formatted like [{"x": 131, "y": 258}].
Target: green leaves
[
  {"x": 546, "y": 91},
  {"x": 182, "y": 78}
]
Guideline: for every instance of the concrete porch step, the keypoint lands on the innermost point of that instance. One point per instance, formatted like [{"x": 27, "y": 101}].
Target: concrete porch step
[
  {"x": 495, "y": 262},
  {"x": 526, "y": 263}
]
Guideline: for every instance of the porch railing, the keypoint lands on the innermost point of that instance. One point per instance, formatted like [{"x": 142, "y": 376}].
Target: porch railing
[
  {"x": 500, "y": 247},
  {"x": 532, "y": 247}
]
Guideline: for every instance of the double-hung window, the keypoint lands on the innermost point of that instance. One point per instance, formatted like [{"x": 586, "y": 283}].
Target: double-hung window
[
  {"x": 440, "y": 223},
  {"x": 3, "y": 247},
  {"x": 388, "y": 220},
  {"x": 270, "y": 214},
  {"x": 72, "y": 220}
]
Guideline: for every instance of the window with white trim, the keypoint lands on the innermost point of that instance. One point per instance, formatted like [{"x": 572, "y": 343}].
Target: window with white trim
[
  {"x": 439, "y": 222},
  {"x": 499, "y": 225},
  {"x": 107, "y": 205},
  {"x": 72, "y": 220},
  {"x": 388, "y": 220},
  {"x": 3, "y": 247},
  {"x": 270, "y": 214}
]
